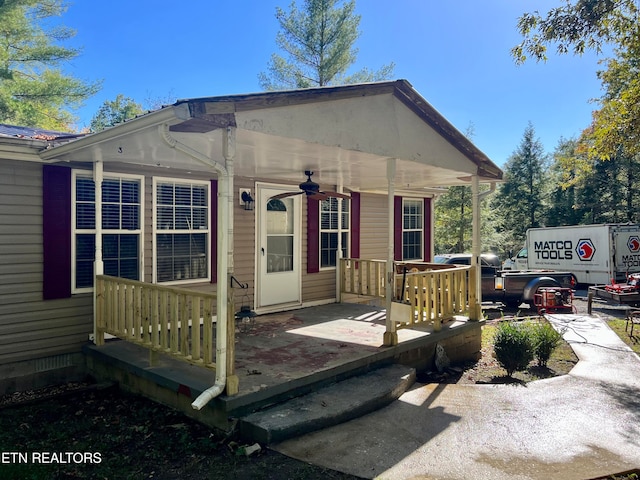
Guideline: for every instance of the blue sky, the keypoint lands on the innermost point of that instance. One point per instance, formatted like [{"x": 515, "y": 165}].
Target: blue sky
[{"x": 455, "y": 53}]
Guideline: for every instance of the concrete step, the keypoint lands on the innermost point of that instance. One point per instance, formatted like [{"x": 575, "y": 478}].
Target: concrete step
[{"x": 330, "y": 405}]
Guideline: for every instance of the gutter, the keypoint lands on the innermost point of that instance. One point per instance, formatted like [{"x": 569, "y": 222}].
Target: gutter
[{"x": 128, "y": 127}]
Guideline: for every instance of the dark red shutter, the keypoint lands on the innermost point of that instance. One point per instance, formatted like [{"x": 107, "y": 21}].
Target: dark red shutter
[
  {"x": 397, "y": 228},
  {"x": 313, "y": 235},
  {"x": 355, "y": 225},
  {"x": 214, "y": 231},
  {"x": 427, "y": 229},
  {"x": 56, "y": 232}
]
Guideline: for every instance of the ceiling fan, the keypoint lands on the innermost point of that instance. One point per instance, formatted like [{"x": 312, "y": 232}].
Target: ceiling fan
[{"x": 312, "y": 189}]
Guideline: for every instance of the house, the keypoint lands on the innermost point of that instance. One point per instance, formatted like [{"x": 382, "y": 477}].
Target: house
[{"x": 184, "y": 195}]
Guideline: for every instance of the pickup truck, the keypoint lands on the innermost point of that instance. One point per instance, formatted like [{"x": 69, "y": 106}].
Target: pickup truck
[{"x": 510, "y": 287}]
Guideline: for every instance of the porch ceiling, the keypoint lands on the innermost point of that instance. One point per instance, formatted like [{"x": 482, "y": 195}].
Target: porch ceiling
[{"x": 344, "y": 134}]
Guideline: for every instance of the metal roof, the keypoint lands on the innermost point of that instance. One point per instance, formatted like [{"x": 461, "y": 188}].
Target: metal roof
[{"x": 16, "y": 131}]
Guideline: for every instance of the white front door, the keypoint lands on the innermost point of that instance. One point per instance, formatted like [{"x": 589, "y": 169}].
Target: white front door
[{"x": 278, "y": 248}]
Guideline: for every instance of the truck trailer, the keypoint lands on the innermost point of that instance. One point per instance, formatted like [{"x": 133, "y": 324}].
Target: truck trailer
[{"x": 595, "y": 254}]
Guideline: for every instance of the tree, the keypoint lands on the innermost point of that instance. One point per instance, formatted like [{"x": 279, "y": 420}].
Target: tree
[
  {"x": 453, "y": 220},
  {"x": 563, "y": 174},
  {"x": 590, "y": 24},
  {"x": 318, "y": 41},
  {"x": 577, "y": 27},
  {"x": 114, "y": 112},
  {"x": 616, "y": 125},
  {"x": 33, "y": 90},
  {"x": 519, "y": 200}
]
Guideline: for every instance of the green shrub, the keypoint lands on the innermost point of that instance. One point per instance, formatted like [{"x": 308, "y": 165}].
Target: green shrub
[
  {"x": 545, "y": 341},
  {"x": 513, "y": 346}
]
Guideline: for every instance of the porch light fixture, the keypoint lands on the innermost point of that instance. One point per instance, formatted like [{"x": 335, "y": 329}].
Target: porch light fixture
[{"x": 247, "y": 199}]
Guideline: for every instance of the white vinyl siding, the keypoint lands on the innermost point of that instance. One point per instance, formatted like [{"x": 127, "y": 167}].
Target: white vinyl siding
[{"x": 181, "y": 230}]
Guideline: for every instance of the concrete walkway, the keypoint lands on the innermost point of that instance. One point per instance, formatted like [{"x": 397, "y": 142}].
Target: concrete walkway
[{"x": 580, "y": 426}]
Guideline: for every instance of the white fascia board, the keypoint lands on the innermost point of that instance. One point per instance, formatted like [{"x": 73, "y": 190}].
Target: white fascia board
[{"x": 166, "y": 114}]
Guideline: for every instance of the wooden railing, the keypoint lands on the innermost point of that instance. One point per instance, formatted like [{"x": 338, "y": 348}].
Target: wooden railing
[
  {"x": 433, "y": 295},
  {"x": 426, "y": 293},
  {"x": 362, "y": 277},
  {"x": 168, "y": 320}
]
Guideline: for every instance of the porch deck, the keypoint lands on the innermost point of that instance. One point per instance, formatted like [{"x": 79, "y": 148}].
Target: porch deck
[{"x": 284, "y": 355}]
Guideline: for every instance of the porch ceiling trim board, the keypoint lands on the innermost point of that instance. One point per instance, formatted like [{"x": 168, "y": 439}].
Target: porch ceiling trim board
[{"x": 281, "y": 134}]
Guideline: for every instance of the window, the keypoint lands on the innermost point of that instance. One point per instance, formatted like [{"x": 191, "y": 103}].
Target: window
[
  {"x": 412, "y": 229},
  {"x": 330, "y": 215},
  {"x": 182, "y": 231},
  {"x": 121, "y": 226}
]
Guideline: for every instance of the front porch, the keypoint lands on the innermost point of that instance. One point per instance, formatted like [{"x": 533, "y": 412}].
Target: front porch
[
  {"x": 284, "y": 355},
  {"x": 167, "y": 336}
]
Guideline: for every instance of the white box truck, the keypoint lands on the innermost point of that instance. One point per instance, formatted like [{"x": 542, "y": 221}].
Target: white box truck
[{"x": 595, "y": 254}]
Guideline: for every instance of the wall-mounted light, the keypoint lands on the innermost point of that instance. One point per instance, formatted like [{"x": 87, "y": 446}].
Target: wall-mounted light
[{"x": 246, "y": 200}]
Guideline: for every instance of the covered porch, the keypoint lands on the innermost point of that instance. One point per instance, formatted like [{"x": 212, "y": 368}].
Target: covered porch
[{"x": 379, "y": 143}]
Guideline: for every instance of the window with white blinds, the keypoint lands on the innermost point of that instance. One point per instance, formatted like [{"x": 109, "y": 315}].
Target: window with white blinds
[
  {"x": 121, "y": 225},
  {"x": 330, "y": 215},
  {"x": 412, "y": 229},
  {"x": 182, "y": 230}
]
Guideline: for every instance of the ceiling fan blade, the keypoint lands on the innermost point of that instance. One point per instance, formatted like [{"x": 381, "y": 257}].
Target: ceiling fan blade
[
  {"x": 285, "y": 195},
  {"x": 337, "y": 195},
  {"x": 317, "y": 196}
]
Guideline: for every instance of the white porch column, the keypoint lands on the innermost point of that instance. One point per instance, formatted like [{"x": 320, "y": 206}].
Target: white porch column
[
  {"x": 476, "y": 313},
  {"x": 98, "y": 263},
  {"x": 98, "y": 176},
  {"x": 390, "y": 335}
]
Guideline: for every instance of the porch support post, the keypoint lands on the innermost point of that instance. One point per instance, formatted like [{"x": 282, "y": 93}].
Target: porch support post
[
  {"x": 98, "y": 263},
  {"x": 390, "y": 335},
  {"x": 98, "y": 176},
  {"x": 339, "y": 257},
  {"x": 475, "y": 296}
]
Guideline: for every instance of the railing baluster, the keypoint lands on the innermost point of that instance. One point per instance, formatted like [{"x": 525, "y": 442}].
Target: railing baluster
[
  {"x": 195, "y": 328},
  {"x": 185, "y": 346},
  {"x": 174, "y": 328},
  {"x": 154, "y": 318},
  {"x": 164, "y": 320},
  {"x": 207, "y": 331}
]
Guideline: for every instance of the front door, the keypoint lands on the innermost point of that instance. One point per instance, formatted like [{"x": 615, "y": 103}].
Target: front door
[{"x": 278, "y": 248}]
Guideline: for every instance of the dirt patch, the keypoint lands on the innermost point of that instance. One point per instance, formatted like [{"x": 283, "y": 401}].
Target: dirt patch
[{"x": 96, "y": 432}]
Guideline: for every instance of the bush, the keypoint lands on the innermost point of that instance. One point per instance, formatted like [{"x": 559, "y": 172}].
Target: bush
[
  {"x": 513, "y": 346},
  {"x": 545, "y": 341}
]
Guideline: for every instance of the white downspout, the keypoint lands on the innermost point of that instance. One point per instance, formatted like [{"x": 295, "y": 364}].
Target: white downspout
[
  {"x": 225, "y": 270},
  {"x": 224, "y": 254}
]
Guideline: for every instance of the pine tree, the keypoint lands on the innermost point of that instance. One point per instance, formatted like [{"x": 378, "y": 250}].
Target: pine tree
[
  {"x": 33, "y": 90},
  {"x": 520, "y": 198},
  {"x": 318, "y": 41}
]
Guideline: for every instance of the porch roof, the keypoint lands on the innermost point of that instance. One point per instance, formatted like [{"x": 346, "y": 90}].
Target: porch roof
[{"x": 345, "y": 134}]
